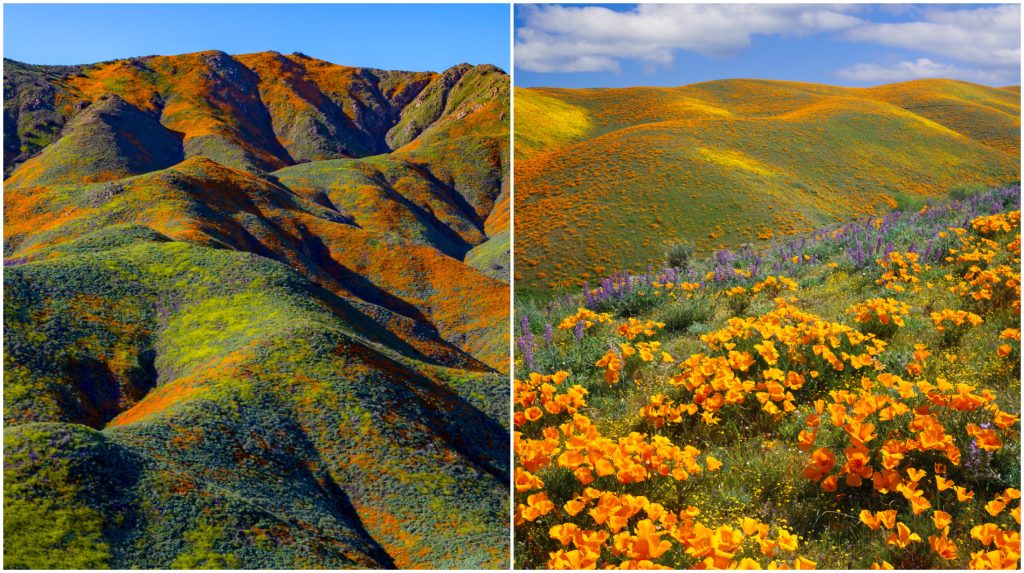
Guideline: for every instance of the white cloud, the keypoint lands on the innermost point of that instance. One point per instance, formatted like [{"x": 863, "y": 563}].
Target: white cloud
[
  {"x": 983, "y": 43},
  {"x": 920, "y": 68},
  {"x": 570, "y": 38},
  {"x": 988, "y": 37}
]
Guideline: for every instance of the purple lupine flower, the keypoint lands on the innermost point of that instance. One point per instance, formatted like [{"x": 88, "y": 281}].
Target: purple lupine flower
[
  {"x": 579, "y": 330},
  {"x": 525, "y": 343},
  {"x": 724, "y": 257},
  {"x": 857, "y": 255},
  {"x": 549, "y": 334},
  {"x": 720, "y": 274},
  {"x": 927, "y": 256},
  {"x": 973, "y": 454}
]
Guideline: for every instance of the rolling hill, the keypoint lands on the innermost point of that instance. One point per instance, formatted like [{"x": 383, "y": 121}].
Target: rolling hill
[
  {"x": 606, "y": 177},
  {"x": 257, "y": 314}
]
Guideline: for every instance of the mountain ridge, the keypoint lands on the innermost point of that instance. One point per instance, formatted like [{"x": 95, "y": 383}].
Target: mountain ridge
[{"x": 248, "y": 281}]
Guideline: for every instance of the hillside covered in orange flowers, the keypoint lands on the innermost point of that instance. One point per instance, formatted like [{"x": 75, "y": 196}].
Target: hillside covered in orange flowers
[
  {"x": 606, "y": 177},
  {"x": 257, "y": 314}
]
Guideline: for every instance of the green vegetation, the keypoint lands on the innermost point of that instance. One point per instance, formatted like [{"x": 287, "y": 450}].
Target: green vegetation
[
  {"x": 679, "y": 254},
  {"x": 242, "y": 331}
]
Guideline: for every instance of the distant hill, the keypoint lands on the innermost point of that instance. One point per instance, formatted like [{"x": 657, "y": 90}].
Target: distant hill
[
  {"x": 606, "y": 177},
  {"x": 256, "y": 313}
]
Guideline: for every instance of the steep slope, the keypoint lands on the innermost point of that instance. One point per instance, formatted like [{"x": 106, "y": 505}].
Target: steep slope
[
  {"x": 109, "y": 140},
  {"x": 622, "y": 171},
  {"x": 35, "y": 109},
  {"x": 266, "y": 319}
]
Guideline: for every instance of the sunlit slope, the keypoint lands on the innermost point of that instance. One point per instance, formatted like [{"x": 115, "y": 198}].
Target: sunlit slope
[
  {"x": 425, "y": 205},
  {"x": 256, "y": 314},
  {"x": 990, "y": 116},
  {"x": 260, "y": 112},
  {"x": 425, "y": 295},
  {"x": 552, "y": 122},
  {"x": 238, "y": 410},
  {"x": 729, "y": 162}
]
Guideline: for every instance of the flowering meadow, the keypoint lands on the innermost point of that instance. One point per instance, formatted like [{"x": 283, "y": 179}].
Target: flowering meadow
[
  {"x": 845, "y": 399},
  {"x": 604, "y": 175}
]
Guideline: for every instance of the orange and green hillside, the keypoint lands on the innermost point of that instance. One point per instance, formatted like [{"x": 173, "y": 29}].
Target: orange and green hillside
[
  {"x": 606, "y": 177},
  {"x": 256, "y": 314}
]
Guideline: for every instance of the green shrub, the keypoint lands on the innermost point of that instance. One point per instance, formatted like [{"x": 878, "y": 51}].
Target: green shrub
[
  {"x": 680, "y": 316},
  {"x": 965, "y": 190},
  {"x": 908, "y": 202},
  {"x": 679, "y": 254}
]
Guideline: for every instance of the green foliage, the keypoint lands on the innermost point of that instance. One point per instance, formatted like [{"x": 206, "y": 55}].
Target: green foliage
[
  {"x": 32, "y": 118},
  {"x": 47, "y": 535},
  {"x": 907, "y": 202},
  {"x": 680, "y": 316},
  {"x": 200, "y": 553},
  {"x": 47, "y": 525},
  {"x": 965, "y": 190},
  {"x": 492, "y": 256},
  {"x": 678, "y": 255},
  {"x": 732, "y": 162},
  {"x": 553, "y": 122}
]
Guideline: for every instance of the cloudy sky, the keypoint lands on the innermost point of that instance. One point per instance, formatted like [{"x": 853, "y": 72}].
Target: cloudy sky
[{"x": 578, "y": 45}]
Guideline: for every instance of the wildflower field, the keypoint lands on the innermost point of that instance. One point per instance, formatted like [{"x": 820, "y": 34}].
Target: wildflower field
[
  {"x": 604, "y": 176},
  {"x": 848, "y": 398},
  {"x": 256, "y": 312}
]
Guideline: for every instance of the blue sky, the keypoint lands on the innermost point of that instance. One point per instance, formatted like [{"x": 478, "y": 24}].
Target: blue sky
[
  {"x": 577, "y": 45},
  {"x": 416, "y": 37}
]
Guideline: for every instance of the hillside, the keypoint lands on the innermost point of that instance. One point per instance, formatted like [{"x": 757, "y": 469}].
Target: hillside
[
  {"x": 846, "y": 399},
  {"x": 257, "y": 314},
  {"x": 605, "y": 178}
]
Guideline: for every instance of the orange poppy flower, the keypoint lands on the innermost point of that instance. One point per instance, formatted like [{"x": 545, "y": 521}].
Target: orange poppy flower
[
  {"x": 943, "y": 547},
  {"x": 820, "y": 464},
  {"x": 902, "y": 537},
  {"x": 943, "y": 484},
  {"x": 962, "y": 494}
]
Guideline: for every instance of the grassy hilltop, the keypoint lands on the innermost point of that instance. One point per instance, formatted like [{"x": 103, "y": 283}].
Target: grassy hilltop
[
  {"x": 606, "y": 177},
  {"x": 256, "y": 314}
]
